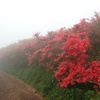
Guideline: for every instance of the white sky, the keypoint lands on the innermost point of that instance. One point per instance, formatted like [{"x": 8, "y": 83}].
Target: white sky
[{"x": 20, "y": 19}]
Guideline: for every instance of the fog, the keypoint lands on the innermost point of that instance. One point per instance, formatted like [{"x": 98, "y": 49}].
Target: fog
[{"x": 20, "y": 19}]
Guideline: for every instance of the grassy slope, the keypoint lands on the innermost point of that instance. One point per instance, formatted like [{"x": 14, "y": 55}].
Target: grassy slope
[{"x": 46, "y": 85}]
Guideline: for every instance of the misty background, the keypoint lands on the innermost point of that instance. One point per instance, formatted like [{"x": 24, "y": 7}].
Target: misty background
[{"x": 20, "y": 19}]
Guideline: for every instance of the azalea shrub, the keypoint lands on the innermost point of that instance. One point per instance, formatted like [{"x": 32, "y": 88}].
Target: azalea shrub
[{"x": 75, "y": 66}]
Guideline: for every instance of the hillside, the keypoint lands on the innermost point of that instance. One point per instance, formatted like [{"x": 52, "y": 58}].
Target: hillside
[{"x": 62, "y": 65}]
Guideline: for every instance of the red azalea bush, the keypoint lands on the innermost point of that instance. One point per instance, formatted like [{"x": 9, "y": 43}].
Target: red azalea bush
[
  {"x": 74, "y": 67},
  {"x": 40, "y": 42},
  {"x": 13, "y": 56},
  {"x": 50, "y": 54}
]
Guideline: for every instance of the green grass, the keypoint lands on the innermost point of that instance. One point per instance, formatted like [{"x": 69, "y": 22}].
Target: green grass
[{"x": 37, "y": 77}]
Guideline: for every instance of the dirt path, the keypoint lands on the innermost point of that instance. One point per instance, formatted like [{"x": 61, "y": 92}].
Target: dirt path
[{"x": 14, "y": 89}]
